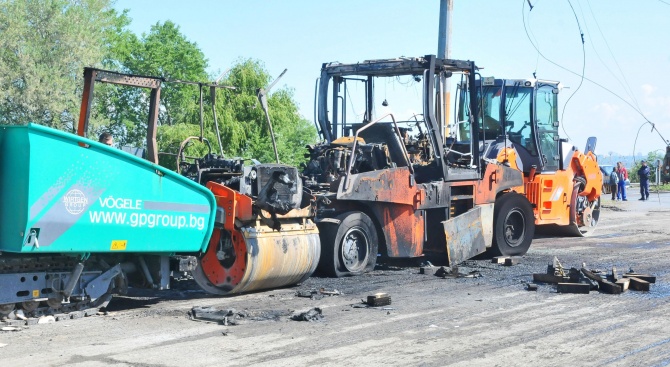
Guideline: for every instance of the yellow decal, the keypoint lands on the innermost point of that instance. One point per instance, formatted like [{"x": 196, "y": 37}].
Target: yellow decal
[
  {"x": 118, "y": 245},
  {"x": 36, "y": 293}
]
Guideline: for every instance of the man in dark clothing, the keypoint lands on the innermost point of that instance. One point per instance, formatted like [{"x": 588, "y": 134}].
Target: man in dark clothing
[{"x": 643, "y": 173}]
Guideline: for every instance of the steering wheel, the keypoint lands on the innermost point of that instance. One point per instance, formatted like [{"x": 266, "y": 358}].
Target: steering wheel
[{"x": 182, "y": 146}]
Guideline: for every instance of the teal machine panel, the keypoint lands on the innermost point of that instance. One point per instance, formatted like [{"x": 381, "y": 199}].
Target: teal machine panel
[{"x": 61, "y": 193}]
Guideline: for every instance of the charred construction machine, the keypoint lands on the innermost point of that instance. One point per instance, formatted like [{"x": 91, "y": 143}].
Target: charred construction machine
[
  {"x": 81, "y": 221},
  {"x": 386, "y": 183},
  {"x": 520, "y": 130}
]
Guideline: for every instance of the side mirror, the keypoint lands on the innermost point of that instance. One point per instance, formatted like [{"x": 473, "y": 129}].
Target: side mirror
[{"x": 591, "y": 145}]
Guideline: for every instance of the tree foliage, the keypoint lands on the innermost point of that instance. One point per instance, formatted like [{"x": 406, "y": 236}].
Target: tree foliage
[
  {"x": 165, "y": 53},
  {"x": 44, "y": 45},
  {"x": 242, "y": 122},
  {"x": 652, "y": 158},
  {"x": 244, "y": 127}
]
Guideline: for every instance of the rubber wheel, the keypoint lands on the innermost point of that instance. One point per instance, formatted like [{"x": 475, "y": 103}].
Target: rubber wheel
[
  {"x": 513, "y": 225},
  {"x": 349, "y": 248}
]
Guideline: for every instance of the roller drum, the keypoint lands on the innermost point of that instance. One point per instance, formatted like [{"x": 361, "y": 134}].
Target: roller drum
[{"x": 263, "y": 258}]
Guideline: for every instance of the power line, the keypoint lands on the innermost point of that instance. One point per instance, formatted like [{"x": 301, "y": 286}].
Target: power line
[
  {"x": 581, "y": 80},
  {"x": 523, "y": 14},
  {"x": 592, "y": 81},
  {"x": 625, "y": 84}
]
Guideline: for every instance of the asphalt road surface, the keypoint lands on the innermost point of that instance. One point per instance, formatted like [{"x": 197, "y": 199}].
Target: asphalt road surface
[{"x": 485, "y": 320}]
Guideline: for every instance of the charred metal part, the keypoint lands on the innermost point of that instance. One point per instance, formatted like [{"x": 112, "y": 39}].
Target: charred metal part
[
  {"x": 281, "y": 189},
  {"x": 213, "y": 168},
  {"x": 187, "y": 263},
  {"x": 314, "y": 314},
  {"x": 261, "y": 94},
  {"x": 378, "y": 299},
  {"x": 465, "y": 237},
  {"x": 403, "y": 229},
  {"x": 92, "y": 75}
]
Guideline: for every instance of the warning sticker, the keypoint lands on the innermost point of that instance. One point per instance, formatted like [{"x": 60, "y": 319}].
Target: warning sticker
[{"x": 118, "y": 245}]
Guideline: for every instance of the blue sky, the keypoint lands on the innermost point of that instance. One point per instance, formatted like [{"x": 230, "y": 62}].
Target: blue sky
[{"x": 623, "y": 39}]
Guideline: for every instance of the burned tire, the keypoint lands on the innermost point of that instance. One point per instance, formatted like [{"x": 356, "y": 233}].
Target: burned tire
[
  {"x": 513, "y": 225},
  {"x": 348, "y": 248}
]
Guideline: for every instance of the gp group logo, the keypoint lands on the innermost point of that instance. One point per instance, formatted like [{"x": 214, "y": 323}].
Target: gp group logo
[{"x": 75, "y": 201}]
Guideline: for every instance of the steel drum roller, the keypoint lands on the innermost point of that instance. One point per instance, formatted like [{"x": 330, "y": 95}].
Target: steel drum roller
[{"x": 256, "y": 258}]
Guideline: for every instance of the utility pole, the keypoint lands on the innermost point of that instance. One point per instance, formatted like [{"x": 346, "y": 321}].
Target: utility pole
[{"x": 444, "y": 52}]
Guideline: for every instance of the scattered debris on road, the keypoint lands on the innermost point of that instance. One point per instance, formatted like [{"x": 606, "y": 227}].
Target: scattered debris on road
[
  {"x": 46, "y": 319},
  {"x": 379, "y": 299},
  {"x": 314, "y": 314},
  {"x": 18, "y": 317},
  {"x": 506, "y": 260},
  {"x": 232, "y": 317},
  {"x": 317, "y": 294},
  {"x": 212, "y": 314},
  {"x": 452, "y": 273},
  {"x": 573, "y": 288},
  {"x": 376, "y": 300},
  {"x": 584, "y": 280}
]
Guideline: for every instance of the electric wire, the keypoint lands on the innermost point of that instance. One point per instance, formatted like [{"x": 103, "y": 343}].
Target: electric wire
[
  {"x": 523, "y": 16},
  {"x": 537, "y": 57},
  {"x": 581, "y": 80},
  {"x": 625, "y": 84},
  {"x": 592, "y": 81}
]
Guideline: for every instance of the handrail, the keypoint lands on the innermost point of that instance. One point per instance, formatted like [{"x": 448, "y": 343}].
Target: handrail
[{"x": 353, "y": 147}]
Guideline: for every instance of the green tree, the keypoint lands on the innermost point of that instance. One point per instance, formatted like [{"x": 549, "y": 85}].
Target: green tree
[
  {"x": 44, "y": 45},
  {"x": 244, "y": 127},
  {"x": 166, "y": 53},
  {"x": 652, "y": 158},
  {"x": 242, "y": 122}
]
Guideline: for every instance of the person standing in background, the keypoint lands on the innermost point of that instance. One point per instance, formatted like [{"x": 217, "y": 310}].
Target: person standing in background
[
  {"x": 614, "y": 183},
  {"x": 623, "y": 176},
  {"x": 643, "y": 173},
  {"x": 106, "y": 138}
]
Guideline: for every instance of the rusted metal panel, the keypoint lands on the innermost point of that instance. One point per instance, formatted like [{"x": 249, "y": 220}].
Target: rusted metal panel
[
  {"x": 394, "y": 185},
  {"x": 87, "y": 95},
  {"x": 403, "y": 229},
  {"x": 487, "y": 222},
  {"x": 497, "y": 178},
  {"x": 111, "y": 77},
  {"x": 154, "y": 107},
  {"x": 465, "y": 236},
  {"x": 435, "y": 195}
]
